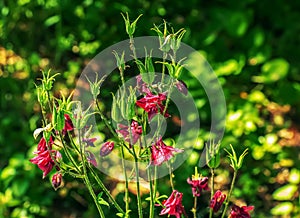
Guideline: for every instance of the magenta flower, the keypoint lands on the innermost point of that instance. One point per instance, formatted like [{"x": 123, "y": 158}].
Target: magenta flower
[
  {"x": 160, "y": 152},
  {"x": 42, "y": 146},
  {"x": 56, "y": 180},
  {"x": 135, "y": 131},
  {"x": 91, "y": 158},
  {"x": 141, "y": 85},
  {"x": 198, "y": 184},
  {"x": 181, "y": 86},
  {"x": 68, "y": 124},
  {"x": 217, "y": 201},
  {"x": 240, "y": 212},
  {"x": 152, "y": 104},
  {"x": 89, "y": 141},
  {"x": 106, "y": 148},
  {"x": 173, "y": 205},
  {"x": 44, "y": 160}
]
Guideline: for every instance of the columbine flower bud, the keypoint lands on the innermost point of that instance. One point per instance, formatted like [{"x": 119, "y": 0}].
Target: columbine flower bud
[
  {"x": 95, "y": 86},
  {"x": 48, "y": 80},
  {"x": 212, "y": 154},
  {"x": 130, "y": 27},
  {"x": 236, "y": 163},
  {"x": 56, "y": 180},
  {"x": 42, "y": 96},
  {"x": 106, "y": 148},
  {"x": 217, "y": 201}
]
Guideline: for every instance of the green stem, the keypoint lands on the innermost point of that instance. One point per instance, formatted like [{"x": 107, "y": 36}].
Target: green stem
[
  {"x": 132, "y": 47},
  {"x": 137, "y": 184},
  {"x": 86, "y": 178},
  {"x": 229, "y": 194},
  {"x": 163, "y": 67},
  {"x": 171, "y": 175},
  {"x": 68, "y": 154},
  {"x": 151, "y": 193},
  {"x": 105, "y": 190},
  {"x": 126, "y": 182},
  {"x": 194, "y": 210},
  {"x": 212, "y": 171}
]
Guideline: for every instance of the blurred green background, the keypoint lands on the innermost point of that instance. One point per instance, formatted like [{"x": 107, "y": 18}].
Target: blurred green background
[{"x": 253, "y": 47}]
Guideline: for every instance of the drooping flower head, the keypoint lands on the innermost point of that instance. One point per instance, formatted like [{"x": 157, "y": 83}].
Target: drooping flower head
[
  {"x": 44, "y": 160},
  {"x": 132, "y": 134},
  {"x": 182, "y": 87},
  {"x": 173, "y": 205},
  {"x": 217, "y": 201},
  {"x": 141, "y": 85},
  {"x": 198, "y": 183},
  {"x": 42, "y": 145},
  {"x": 160, "y": 152},
  {"x": 68, "y": 124},
  {"x": 91, "y": 158},
  {"x": 56, "y": 180},
  {"x": 240, "y": 212},
  {"x": 152, "y": 104},
  {"x": 106, "y": 148},
  {"x": 89, "y": 141}
]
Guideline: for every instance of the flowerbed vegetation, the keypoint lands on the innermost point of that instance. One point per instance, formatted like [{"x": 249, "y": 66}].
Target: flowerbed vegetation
[{"x": 252, "y": 51}]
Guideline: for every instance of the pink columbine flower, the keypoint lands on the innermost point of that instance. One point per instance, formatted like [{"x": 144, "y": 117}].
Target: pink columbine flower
[
  {"x": 44, "y": 160},
  {"x": 217, "y": 201},
  {"x": 240, "y": 212},
  {"x": 182, "y": 87},
  {"x": 91, "y": 158},
  {"x": 198, "y": 184},
  {"x": 160, "y": 152},
  {"x": 68, "y": 124},
  {"x": 173, "y": 205},
  {"x": 42, "y": 146},
  {"x": 141, "y": 85},
  {"x": 56, "y": 180},
  {"x": 152, "y": 104},
  {"x": 133, "y": 134},
  {"x": 89, "y": 141},
  {"x": 106, "y": 148}
]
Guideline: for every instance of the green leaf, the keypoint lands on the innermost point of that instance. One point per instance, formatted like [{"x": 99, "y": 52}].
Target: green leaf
[
  {"x": 60, "y": 120},
  {"x": 284, "y": 208},
  {"x": 101, "y": 200},
  {"x": 285, "y": 192},
  {"x": 120, "y": 214},
  {"x": 52, "y": 20},
  {"x": 272, "y": 71}
]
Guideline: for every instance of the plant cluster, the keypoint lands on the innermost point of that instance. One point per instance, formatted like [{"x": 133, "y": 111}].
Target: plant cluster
[{"x": 66, "y": 136}]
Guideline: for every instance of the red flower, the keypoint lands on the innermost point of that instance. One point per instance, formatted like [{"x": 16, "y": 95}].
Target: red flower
[
  {"x": 181, "y": 86},
  {"x": 141, "y": 85},
  {"x": 42, "y": 146},
  {"x": 217, "y": 201},
  {"x": 198, "y": 184},
  {"x": 68, "y": 124},
  {"x": 160, "y": 152},
  {"x": 152, "y": 104},
  {"x": 44, "y": 160},
  {"x": 106, "y": 148},
  {"x": 89, "y": 141},
  {"x": 91, "y": 158},
  {"x": 240, "y": 212},
  {"x": 173, "y": 205},
  {"x": 56, "y": 180},
  {"x": 135, "y": 131}
]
